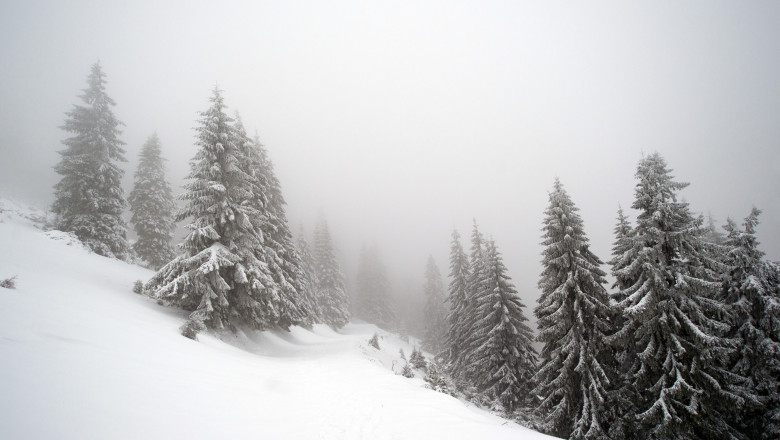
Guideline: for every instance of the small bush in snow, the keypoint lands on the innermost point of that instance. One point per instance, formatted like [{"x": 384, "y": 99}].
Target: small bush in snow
[
  {"x": 192, "y": 328},
  {"x": 374, "y": 341},
  {"x": 138, "y": 287},
  {"x": 417, "y": 359},
  {"x": 407, "y": 371},
  {"x": 9, "y": 283},
  {"x": 437, "y": 380}
]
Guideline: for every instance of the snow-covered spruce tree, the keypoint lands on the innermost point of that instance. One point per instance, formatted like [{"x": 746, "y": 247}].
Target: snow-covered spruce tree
[
  {"x": 466, "y": 368},
  {"x": 278, "y": 250},
  {"x": 331, "y": 293},
  {"x": 458, "y": 297},
  {"x": 753, "y": 292},
  {"x": 89, "y": 198},
  {"x": 621, "y": 254},
  {"x": 151, "y": 203},
  {"x": 671, "y": 312},
  {"x": 502, "y": 341},
  {"x": 219, "y": 276},
  {"x": 373, "y": 291},
  {"x": 435, "y": 314},
  {"x": 574, "y": 319},
  {"x": 622, "y": 393},
  {"x": 310, "y": 276}
]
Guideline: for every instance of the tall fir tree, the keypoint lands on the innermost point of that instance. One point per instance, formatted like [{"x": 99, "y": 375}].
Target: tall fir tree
[
  {"x": 284, "y": 261},
  {"x": 458, "y": 297},
  {"x": 502, "y": 341},
  {"x": 474, "y": 289},
  {"x": 574, "y": 320},
  {"x": 89, "y": 198},
  {"x": 330, "y": 290},
  {"x": 672, "y": 312},
  {"x": 622, "y": 397},
  {"x": 372, "y": 300},
  {"x": 151, "y": 203},
  {"x": 621, "y": 254},
  {"x": 752, "y": 289},
  {"x": 310, "y": 276},
  {"x": 219, "y": 275},
  {"x": 435, "y": 314},
  {"x": 278, "y": 248}
]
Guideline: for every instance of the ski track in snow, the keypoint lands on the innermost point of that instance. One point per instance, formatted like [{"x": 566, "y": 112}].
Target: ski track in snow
[{"x": 82, "y": 357}]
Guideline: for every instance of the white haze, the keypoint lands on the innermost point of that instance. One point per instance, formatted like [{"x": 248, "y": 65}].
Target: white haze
[{"x": 403, "y": 120}]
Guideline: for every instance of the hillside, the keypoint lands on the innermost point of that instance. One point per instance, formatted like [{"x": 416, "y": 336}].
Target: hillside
[{"x": 82, "y": 357}]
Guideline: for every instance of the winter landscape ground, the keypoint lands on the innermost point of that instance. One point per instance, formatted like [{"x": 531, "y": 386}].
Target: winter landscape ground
[{"x": 83, "y": 357}]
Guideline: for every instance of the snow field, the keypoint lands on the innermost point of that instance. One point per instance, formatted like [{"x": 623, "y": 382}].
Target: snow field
[{"x": 82, "y": 357}]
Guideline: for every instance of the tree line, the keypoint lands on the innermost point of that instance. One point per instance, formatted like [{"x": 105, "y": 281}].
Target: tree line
[
  {"x": 684, "y": 345},
  {"x": 238, "y": 264}
]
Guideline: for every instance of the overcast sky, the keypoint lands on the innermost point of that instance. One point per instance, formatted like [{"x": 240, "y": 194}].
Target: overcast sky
[{"x": 401, "y": 121}]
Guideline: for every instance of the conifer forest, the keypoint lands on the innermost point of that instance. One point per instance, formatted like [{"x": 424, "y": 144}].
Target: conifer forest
[{"x": 568, "y": 213}]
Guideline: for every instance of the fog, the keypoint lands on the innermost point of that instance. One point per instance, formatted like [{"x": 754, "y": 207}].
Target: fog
[{"x": 401, "y": 121}]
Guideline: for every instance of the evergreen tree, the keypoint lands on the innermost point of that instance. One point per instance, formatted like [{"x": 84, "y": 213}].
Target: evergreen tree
[
  {"x": 278, "y": 249},
  {"x": 373, "y": 300},
  {"x": 435, "y": 313},
  {"x": 671, "y": 311},
  {"x": 219, "y": 276},
  {"x": 574, "y": 320},
  {"x": 753, "y": 291},
  {"x": 89, "y": 198},
  {"x": 310, "y": 276},
  {"x": 152, "y": 205},
  {"x": 330, "y": 290},
  {"x": 621, "y": 254},
  {"x": 502, "y": 341},
  {"x": 458, "y": 297},
  {"x": 619, "y": 410},
  {"x": 474, "y": 289}
]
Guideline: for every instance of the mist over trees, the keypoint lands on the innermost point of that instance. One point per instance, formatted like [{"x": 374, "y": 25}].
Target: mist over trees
[
  {"x": 372, "y": 301},
  {"x": 89, "y": 199},
  {"x": 329, "y": 279},
  {"x": 435, "y": 312},
  {"x": 151, "y": 204},
  {"x": 684, "y": 344}
]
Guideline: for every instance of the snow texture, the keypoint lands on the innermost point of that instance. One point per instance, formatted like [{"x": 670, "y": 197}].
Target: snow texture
[{"x": 85, "y": 358}]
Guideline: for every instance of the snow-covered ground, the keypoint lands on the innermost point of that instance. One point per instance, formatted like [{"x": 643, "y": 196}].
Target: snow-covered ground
[{"x": 82, "y": 357}]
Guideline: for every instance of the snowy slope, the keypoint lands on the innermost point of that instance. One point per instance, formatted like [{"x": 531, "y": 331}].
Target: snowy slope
[{"x": 82, "y": 357}]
